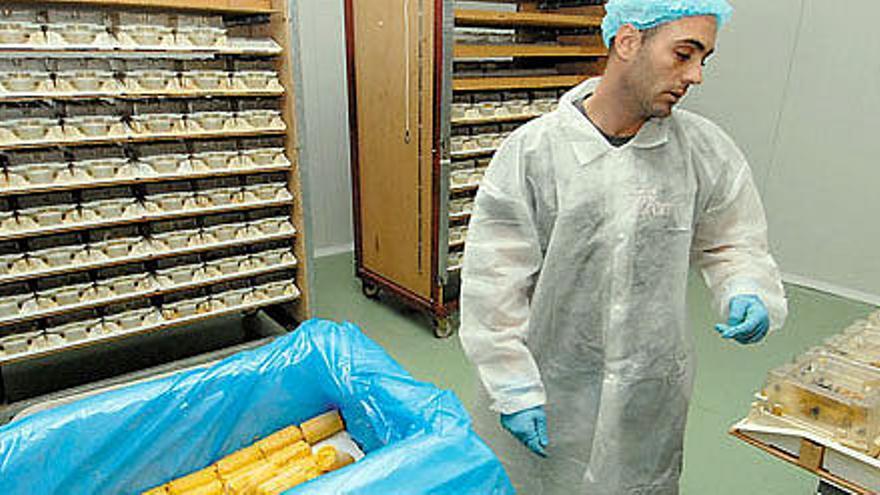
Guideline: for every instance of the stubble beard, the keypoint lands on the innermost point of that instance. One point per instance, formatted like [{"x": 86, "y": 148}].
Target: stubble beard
[{"x": 641, "y": 85}]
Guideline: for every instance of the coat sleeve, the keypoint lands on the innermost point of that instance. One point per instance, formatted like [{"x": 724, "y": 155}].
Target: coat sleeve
[
  {"x": 502, "y": 261},
  {"x": 730, "y": 243}
]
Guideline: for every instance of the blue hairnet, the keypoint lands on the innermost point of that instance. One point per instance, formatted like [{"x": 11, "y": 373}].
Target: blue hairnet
[{"x": 645, "y": 14}]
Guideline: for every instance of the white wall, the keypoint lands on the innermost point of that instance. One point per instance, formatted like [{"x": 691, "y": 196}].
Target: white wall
[
  {"x": 745, "y": 80},
  {"x": 797, "y": 84},
  {"x": 324, "y": 138}
]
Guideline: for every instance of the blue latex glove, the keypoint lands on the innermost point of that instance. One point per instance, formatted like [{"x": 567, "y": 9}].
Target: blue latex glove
[
  {"x": 748, "y": 322},
  {"x": 529, "y": 426}
]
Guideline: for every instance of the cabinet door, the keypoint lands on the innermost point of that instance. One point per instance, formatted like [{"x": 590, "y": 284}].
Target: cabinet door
[{"x": 392, "y": 46}]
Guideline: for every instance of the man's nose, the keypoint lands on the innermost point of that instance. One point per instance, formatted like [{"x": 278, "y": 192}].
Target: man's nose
[{"x": 694, "y": 74}]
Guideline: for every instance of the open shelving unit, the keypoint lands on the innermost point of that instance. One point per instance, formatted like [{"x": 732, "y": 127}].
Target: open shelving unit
[
  {"x": 258, "y": 34},
  {"x": 463, "y": 71}
]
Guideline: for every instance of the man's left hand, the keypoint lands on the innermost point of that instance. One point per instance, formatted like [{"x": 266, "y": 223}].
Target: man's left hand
[{"x": 749, "y": 320}]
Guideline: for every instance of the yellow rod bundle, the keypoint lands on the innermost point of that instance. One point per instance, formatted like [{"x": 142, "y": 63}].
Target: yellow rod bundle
[
  {"x": 237, "y": 460},
  {"x": 273, "y": 464},
  {"x": 321, "y": 427},
  {"x": 290, "y": 453},
  {"x": 279, "y": 439},
  {"x": 192, "y": 481},
  {"x": 328, "y": 458},
  {"x": 246, "y": 481},
  {"x": 295, "y": 475}
]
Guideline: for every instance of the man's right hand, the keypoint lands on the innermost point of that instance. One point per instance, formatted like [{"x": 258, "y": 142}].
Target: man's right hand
[{"x": 529, "y": 426}]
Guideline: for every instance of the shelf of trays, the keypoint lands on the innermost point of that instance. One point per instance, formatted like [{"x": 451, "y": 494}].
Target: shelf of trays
[
  {"x": 457, "y": 236},
  {"x": 266, "y": 48},
  {"x": 143, "y": 218},
  {"x": 499, "y": 113},
  {"x": 466, "y": 188},
  {"x": 469, "y": 188},
  {"x": 489, "y": 51},
  {"x": 254, "y": 298},
  {"x": 479, "y": 18},
  {"x": 146, "y": 179},
  {"x": 39, "y": 134},
  {"x": 109, "y": 47},
  {"x": 21, "y": 267},
  {"x": 24, "y": 86},
  {"x": 476, "y": 145},
  {"x": 460, "y": 209},
  {"x": 513, "y": 83},
  {"x": 142, "y": 173},
  {"x": 134, "y": 35},
  {"x": 455, "y": 261},
  {"x": 249, "y": 46},
  {"x": 500, "y": 119},
  {"x": 157, "y": 290},
  {"x": 457, "y": 239},
  {"x": 9, "y": 97},
  {"x": 218, "y": 6},
  {"x": 473, "y": 153},
  {"x": 465, "y": 179},
  {"x": 130, "y": 35}
]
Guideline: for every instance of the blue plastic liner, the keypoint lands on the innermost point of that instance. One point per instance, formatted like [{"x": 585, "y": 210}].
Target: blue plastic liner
[{"x": 417, "y": 437}]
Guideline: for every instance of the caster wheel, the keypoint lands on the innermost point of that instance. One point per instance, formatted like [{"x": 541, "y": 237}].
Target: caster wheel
[
  {"x": 370, "y": 290},
  {"x": 443, "y": 328}
]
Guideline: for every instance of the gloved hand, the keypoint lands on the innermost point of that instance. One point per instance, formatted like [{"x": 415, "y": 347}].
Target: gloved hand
[
  {"x": 748, "y": 322},
  {"x": 529, "y": 426}
]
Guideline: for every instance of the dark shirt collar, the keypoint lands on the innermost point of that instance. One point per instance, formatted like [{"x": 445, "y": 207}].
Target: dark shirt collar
[{"x": 616, "y": 141}]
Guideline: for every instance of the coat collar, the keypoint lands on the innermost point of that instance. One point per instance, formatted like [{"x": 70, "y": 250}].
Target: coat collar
[{"x": 588, "y": 143}]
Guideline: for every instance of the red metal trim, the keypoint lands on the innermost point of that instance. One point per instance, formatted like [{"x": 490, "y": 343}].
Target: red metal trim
[
  {"x": 452, "y": 306},
  {"x": 351, "y": 69},
  {"x": 402, "y": 293},
  {"x": 436, "y": 296}
]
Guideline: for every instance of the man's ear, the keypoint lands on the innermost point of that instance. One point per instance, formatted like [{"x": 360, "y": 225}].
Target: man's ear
[{"x": 627, "y": 42}]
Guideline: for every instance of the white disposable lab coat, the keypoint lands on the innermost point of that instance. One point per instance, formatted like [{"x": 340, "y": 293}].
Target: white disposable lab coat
[{"x": 574, "y": 283}]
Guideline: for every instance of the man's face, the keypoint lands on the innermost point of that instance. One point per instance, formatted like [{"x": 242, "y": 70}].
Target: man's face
[{"x": 669, "y": 61}]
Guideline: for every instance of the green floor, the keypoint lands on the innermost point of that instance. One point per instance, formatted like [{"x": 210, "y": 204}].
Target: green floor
[{"x": 727, "y": 377}]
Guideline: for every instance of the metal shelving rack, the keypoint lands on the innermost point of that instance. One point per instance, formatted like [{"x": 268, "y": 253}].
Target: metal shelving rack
[
  {"x": 288, "y": 302},
  {"x": 413, "y": 66}
]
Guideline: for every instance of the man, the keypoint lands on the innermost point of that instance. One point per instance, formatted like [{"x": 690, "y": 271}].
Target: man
[{"x": 576, "y": 268}]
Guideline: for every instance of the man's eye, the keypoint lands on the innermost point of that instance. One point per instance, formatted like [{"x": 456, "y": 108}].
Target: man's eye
[{"x": 684, "y": 57}]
